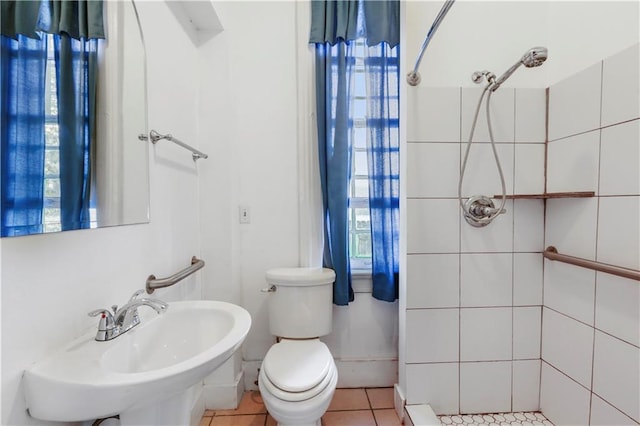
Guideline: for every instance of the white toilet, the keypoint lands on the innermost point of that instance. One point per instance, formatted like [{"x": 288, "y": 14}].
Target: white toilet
[{"x": 298, "y": 375}]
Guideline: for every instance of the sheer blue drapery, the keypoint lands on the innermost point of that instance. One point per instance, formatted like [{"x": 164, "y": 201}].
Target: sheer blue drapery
[
  {"x": 334, "y": 66},
  {"x": 76, "y": 69},
  {"x": 22, "y": 130},
  {"x": 338, "y": 23},
  {"x": 75, "y": 27},
  {"x": 383, "y": 157}
]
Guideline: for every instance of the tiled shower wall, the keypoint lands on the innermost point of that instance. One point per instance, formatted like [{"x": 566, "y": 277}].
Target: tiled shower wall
[
  {"x": 474, "y": 295},
  {"x": 591, "y": 321}
]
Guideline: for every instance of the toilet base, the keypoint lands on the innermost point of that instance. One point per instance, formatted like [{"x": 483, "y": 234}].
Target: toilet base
[{"x": 301, "y": 413}]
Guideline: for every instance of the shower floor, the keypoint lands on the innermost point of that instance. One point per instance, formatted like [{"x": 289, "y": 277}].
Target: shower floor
[{"x": 499, "y": 419}]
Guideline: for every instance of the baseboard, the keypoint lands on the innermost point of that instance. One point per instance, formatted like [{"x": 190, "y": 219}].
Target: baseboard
[
  {"x": 399, "y": 401},
  {"x": 224, "y": 396},
  {"x": 367, "y": 373}
]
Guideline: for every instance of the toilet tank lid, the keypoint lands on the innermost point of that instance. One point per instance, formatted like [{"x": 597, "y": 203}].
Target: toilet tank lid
[{"x": 300, "y": 276}]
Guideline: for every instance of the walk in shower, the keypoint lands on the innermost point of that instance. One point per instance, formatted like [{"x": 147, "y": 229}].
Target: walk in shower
[{"x": 492, "y": 330}]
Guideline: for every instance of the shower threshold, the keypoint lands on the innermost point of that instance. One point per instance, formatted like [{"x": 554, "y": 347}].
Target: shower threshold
[{"x": 531, "y": 418}]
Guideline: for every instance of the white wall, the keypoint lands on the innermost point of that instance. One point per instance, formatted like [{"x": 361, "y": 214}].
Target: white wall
[
  {"x": 251, "y": 109},
  {"x": 591, "y": 321},
  {"x": 50, "y": 282}
]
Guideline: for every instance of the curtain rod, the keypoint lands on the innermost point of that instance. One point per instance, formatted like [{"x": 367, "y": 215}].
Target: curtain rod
[
  {"x": 551, "y": 253},
  {"x": 196, "y": 154}
]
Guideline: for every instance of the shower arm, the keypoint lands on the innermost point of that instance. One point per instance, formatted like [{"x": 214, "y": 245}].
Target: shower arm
[{"x": 413, "y": 78}]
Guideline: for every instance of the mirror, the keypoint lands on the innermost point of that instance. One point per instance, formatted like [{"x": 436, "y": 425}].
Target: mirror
[{"x": 119, "y": 177}]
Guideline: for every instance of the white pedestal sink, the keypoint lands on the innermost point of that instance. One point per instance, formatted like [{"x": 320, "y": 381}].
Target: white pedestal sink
[{"x": 141, "y": 375}]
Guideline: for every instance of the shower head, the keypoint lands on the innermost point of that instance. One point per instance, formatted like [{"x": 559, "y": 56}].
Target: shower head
[{"x": 534, "y": 57}]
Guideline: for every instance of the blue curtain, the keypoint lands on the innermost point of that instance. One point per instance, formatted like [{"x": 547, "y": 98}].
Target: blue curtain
[
  {"x": 22, "y": 141},
  {"x": 383, "y": 155},
  {"x": 76, "y": 25},
  {"x": 334, "y": 25},
  {"x": 76, "y": 69},
  {"x": 334, "y": 65}
]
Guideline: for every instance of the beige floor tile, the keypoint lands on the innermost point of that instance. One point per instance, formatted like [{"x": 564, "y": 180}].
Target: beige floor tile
[
  {"x": 205, "y": 421},
  {"x": 251, "y": 403},
  {"x": 386, "y": 417},
  {"x": 380, "y": 397},
  {"x": 349, "y": 399},
  {"x": 349, "y": 418},
  {"x": 271, "y": 421},
  {"x": 240, "y": 420}
]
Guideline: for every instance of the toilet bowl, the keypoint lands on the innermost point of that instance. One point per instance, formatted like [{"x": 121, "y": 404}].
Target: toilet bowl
[
  {"x": 298, "y": 376},
  {"x": 297, "y": 381}
]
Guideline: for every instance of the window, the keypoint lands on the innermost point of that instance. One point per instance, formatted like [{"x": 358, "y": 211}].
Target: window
[
  {"x": 51, "y": 208},
  {"x": 359, "y": 219}
]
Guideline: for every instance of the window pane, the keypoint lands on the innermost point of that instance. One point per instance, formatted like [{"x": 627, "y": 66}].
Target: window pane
[
  {"x": 52, "y": 215},
  {"x": 360, "y": 137},
  {"x": 361, "y": 188},
  {"x": 362, "y": 220},
  {"x": 52, "y": 188},
  {"x": 360, "y": 161},
  {"x": 52, "y": 162},
  {"x": 51, "y": 134},
  {"x": 362, "y": 245}
]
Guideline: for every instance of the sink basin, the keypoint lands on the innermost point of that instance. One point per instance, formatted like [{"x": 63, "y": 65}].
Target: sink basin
[{"x": 157, "y": 360}]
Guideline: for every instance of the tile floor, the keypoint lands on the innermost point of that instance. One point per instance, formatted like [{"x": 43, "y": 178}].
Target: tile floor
[
  {"x": 359, "y": 407},
  {"x": 506, "y": 419},
  {"x": 349, "y": 407}
]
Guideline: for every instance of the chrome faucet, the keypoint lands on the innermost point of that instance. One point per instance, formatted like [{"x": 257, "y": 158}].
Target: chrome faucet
[{"x": 113, "y": 324}]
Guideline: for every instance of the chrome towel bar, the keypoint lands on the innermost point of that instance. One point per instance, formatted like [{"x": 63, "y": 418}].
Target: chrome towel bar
[
  {"x": 551, "y": 253},
  {"x": 196, "y": 154},
  {"x": 154, "y": 283}
]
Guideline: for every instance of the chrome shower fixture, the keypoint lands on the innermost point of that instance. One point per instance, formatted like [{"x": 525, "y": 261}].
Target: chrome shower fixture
[{"x": 533, "y": 57}]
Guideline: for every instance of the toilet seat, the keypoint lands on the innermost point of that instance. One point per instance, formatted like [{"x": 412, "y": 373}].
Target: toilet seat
[{"x": 297, "y": 370}]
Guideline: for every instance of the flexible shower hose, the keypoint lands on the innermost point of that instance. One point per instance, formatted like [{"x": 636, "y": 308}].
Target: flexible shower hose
[{"x": 489, "y": 218}]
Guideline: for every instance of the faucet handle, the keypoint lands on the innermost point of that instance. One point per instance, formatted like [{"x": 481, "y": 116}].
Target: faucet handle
[
  {"x": 136, "y": 294},
  {"x": 106, "y": 327}
]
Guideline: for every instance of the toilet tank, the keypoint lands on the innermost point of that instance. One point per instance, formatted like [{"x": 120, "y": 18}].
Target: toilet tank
[{"x": 300, "y": 303}]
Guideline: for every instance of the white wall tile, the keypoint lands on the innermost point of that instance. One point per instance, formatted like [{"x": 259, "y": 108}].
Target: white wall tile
[
  {"x": 619, "y": 231},
  {"x": 433, "y": 281},
  {"x": 620, "y": 160},
  {"x": 531, "y": 106},
  {"x": 563, "y": 401},
  {"x": 433, "y": 114},
  {"x": 604, "y": 414},
  {"x": 569, "y": 289},
  {"x": 528, "y": 225},
  {"x": 572, "y": 163},
  {"x": 527, "y": 324},
  {"x": 485, "y": 334},
  {"x": 618, "y": 307},
  {"x": 485, "y": 387},
  {"x": 433, "y": 169},
  {"x": 495, "y": 237},
  {"x": 485, "y": 279},
  {"x": 568, "y": 346},
  {"x": 434, "y": 226},
  {"x": 526, "y": 385},
  {"x": 574, "y": 103},
  {"x": 432, "y": 335},
  {"x": 481, "y": 173},
  {"x": 616, "y": 372},
  {"x": 502, "y": 115},
  {"x": 571, "y": 226},
  {"x": 436, "y": 384},
  {"x": 529, "y": 169},
  {"x": 527, "y": 279},
  {"x": 621, "y": 86}
]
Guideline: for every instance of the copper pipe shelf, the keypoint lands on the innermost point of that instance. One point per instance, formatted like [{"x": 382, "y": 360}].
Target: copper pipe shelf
[
  {"x": 547, "y": 195},
  {"x": 551, "y": 253}
]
